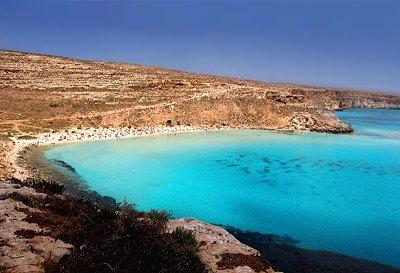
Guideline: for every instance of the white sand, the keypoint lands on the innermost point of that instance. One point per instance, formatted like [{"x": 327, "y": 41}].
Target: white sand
[{"x": 79, "y": 135}]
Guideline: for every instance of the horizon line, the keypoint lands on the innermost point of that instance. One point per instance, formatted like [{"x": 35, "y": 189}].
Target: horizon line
[{"x": 302, "y": 84}]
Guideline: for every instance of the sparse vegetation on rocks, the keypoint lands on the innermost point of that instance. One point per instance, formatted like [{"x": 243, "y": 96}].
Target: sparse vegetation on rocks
[
  {"x": 42, "y": 185},
  {"x": 107, "y": 238}
]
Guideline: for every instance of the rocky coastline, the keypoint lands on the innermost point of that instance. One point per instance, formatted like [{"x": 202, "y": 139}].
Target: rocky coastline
[
  {"x": 219, "y": 250},
  {"x": 32, "y": 232},
  {"x": 50, "y": 100}
]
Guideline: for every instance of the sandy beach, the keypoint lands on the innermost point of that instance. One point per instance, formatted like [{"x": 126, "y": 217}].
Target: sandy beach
[{"x": 92, "y": 134}]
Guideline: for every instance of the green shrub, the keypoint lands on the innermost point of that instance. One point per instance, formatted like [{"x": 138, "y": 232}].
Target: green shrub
[
  {"x": 127, "y": 207},
  {"x": 109, "y": 240},
  {"x": 116, "y": 239},
  {"x": 185, "y": 238},
  {"x": 158, "y": 218}
]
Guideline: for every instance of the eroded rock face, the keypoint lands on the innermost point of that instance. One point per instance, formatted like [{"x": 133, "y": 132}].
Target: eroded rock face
[
  {"x": 322, "y": 121},
  {"x": 24, "y": 246},
  {"x": 220, "y": 250}
]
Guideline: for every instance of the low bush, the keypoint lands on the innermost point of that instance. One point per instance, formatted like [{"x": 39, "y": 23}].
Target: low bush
[
  {"x": 112, "y": 238},
  {"x": 45, "y": 186},
  {"x": 22, "y": 198},
  {"x": 125, "y": 240},
  {"x": 185, "y": 238}
]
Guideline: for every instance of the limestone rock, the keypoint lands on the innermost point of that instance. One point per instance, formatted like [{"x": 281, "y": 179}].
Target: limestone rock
[
  {"x": 17, "y": 253},
  {"x": 214, "y": 242}
]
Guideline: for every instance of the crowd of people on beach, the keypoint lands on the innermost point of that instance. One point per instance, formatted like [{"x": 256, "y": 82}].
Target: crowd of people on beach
[{"x": 77, "y": 135}]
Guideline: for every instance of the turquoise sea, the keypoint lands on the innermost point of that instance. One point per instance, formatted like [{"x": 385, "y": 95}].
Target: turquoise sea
[{"x": 332, "y": 192}]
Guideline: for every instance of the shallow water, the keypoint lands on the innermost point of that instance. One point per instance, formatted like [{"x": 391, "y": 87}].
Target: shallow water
[{"x": 331, "y": 192}]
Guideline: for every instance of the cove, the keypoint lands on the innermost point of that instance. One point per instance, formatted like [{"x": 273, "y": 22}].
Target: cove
[{"x": 331, "y": 192}]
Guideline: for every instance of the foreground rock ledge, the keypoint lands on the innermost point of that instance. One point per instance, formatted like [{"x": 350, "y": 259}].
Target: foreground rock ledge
[
  {"x": 24, "y": 246},
  {"x": 220, "y": 250}
]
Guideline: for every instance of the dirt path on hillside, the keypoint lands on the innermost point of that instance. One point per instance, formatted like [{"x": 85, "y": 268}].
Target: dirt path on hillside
[{"x": 17, "y": 123}]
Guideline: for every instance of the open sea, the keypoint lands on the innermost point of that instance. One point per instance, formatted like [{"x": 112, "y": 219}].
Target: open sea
[{"x": 331, "y": 192}]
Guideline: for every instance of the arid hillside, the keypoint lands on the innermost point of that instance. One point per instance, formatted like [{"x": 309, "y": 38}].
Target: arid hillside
[{"x": 44, "y": 92}]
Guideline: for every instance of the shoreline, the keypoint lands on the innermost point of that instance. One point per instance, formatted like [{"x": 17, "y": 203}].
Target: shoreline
[
  {"x": 28, "y": 161},
  {"x": 204, "y": 232},
  {"x": 21, "y": 155},
  {"x": 75, "y": 135}
]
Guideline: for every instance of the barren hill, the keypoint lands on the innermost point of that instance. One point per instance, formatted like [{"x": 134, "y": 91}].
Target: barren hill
[{"x": 44, "y": 92}]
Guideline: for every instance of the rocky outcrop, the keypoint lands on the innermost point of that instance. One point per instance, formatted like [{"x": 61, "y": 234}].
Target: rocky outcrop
[
  {"x": 366, "y": 100},
  {"x": 24, "y": 246},
  {"x": 222, "y": 252},
  {"x": 321, "y": 122},
  {"x": 292, "y": 97}
]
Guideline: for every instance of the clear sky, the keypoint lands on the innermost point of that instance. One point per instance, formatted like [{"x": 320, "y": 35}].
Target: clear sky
[{"x": 351, "y": 44}]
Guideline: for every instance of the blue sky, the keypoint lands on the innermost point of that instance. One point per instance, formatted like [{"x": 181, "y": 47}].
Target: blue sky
[{"x": 350, "y": 44}]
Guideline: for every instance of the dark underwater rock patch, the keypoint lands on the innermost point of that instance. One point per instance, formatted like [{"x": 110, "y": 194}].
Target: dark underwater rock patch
[
  {"x": 64, "y": 165},
  {"x": 285, "y": 256}
]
